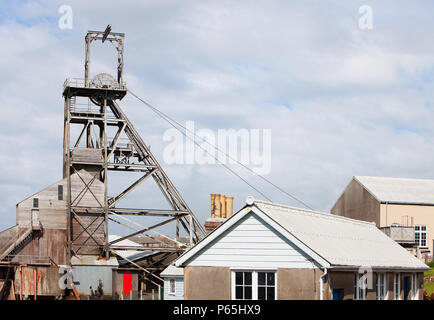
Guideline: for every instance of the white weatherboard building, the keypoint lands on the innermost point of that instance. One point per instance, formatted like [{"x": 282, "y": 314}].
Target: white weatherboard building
[
  {"x": 271, "y": 251},
  {"x": 173, "y": 283}
]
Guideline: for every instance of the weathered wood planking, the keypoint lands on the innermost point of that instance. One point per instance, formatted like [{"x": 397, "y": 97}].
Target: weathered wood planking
[
  {"x": 52, "y": 212},
  {"x": 42, "y": 281},
  {"x": 52, "y": 244},
  {"x": 7, "y": 236},
  {"x": 87, "y": 155},
  {"x": 94, "y": 234}
]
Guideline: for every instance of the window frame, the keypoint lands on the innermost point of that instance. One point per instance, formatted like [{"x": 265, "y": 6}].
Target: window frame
[
  {"x": 418, "y": 232},
  {"x": 170, "y": 286},
  {"x": 396, "y": 286},
  {"x": 381, "y": 286},
  {"x": 414, "y": 287},
  {"x": 255, "y": 282}
]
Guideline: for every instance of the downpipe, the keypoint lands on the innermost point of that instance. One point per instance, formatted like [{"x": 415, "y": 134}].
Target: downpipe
[{"x": 321, "y": 284}]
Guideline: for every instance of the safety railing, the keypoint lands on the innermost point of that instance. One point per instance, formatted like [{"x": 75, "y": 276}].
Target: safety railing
[
  {"x": 28, "y": 259},
  {"x": 80, "y": 83},
  {"x": 153, "y": 294}
]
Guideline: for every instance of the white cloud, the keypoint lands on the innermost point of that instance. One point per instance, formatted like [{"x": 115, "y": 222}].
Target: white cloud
[{"x": 340, "y": 101}]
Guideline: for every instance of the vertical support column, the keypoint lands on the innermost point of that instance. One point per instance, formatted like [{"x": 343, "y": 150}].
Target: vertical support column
[
  {"x": 87, "y": 62},
  {"x": 120, "y": 62},
  {"x": 177, "y": 229},
  {"x": 67, "y": 173},
  {"x": 106, "y": 239},
  {"x": 190, "y": 227},
  {"x": 89, "y": 135}
]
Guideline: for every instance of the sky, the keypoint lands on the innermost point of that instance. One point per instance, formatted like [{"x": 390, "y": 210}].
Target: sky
[{"x": 339, "y": 100}]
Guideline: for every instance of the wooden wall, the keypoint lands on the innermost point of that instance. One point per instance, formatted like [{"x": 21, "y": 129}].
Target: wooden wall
[{"x": 52, "y": 214}]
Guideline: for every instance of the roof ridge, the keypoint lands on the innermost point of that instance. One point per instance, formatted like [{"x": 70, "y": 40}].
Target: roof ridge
[
  {"x": 395, "y": 178},
  {"x": 324, "y": 214}
]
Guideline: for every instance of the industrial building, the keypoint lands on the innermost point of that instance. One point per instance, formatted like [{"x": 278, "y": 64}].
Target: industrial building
[
  {"x": 60, "y": 247},
  {"x": 271, "y": 251},
  {"x": 403, "y": 208}
]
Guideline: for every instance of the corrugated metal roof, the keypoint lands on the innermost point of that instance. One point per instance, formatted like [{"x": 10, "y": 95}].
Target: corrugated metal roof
[
  {"x": 172, "y": 271},
  {"x": 399, "y": 190},
  {"x": 339, "y": 240},
  {"x": 93, "y": 260},
  {"x": 129, "y": 254}
]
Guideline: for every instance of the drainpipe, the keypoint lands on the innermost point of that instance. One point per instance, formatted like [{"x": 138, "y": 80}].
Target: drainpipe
[{"x": 321, "y": 283}]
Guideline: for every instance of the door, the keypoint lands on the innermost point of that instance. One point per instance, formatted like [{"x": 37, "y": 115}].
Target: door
[
  {"x": 338, "y": 294},
  {"x": 406, "y": 287},
  {"x": 127, "y": 277}
]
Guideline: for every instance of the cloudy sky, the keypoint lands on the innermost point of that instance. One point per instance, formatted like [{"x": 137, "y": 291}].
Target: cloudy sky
[{"x": 339, "y": 100}]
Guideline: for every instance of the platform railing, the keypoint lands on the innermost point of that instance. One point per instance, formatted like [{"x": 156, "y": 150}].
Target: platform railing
[
  {"x": 28, "y": 259},
  {"x": 80, "y": 83}
]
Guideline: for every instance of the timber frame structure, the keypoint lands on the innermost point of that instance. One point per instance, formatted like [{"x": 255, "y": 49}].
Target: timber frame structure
[{"x": 93, "y": 151}]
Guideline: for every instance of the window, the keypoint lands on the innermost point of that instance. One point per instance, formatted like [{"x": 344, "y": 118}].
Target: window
[
  {"x": 396, "y": 286},
  {"x": 254, "y": 285},
  {"x": 172, "y": 286},
  {"x": 35, "y": 202},
  {"x": 243, "y": 285},
  {"x": 381, "y": 286},
  {"x": 266, "y": 286},
  {"x": 60, "y": 192},
  {"x": 420, "y": 236},
  {"x": 360, "y": 285},
  {"x": 414, "y": 287}
]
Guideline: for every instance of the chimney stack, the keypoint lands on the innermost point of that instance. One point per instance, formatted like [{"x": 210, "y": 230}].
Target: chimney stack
[{"x": 221, "y": 209}]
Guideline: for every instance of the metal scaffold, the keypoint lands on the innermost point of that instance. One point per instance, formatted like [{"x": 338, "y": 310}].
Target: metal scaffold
[{"x": 92, "y": 156}]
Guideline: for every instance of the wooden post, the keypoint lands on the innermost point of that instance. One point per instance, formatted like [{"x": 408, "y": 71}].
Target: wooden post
[
  {"x": 12, "y": 292},
  {"x": 35, "y": 283},
  {"x": 21, "y": 282}
]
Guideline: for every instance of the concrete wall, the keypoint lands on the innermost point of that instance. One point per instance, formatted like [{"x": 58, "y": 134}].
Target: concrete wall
[
  {"x": 342, "y": 280},
  {"x": 89, "y": 276},
  {"x": 357, "y": 203},
  {"x": 214, "y": 283},
  {"x": 207, "y": 283},
  {"x": 299, "y": 284},
  {"x": 411, "y": 215}
]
